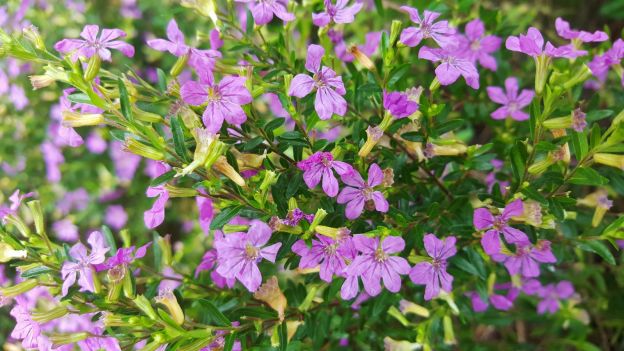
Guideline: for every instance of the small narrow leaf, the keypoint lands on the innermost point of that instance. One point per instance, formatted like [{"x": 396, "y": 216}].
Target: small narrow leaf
[{"x": 124, "y": 101}]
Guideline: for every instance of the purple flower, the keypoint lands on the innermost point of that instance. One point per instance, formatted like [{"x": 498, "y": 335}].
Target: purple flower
[
  {"x": 564, "y": 31},
  {"x": 433, "y": 274},
  {"x": 91, "y": 44},
  {"x": 240, "y": 253},
  {"x": 319, "y": 166},
  {"x": 374, "y": 264},
  {"x": 338, "y": 13},
  {"x": 206, "y": 212},
  {"x": 123, "y": 257},
  {"x": 490, "y": 179},
  {"x": 551, "y": 295},
  {"x": 124, "y": 162},
  {"x": 18, "y": 97},
  {"x": 263, "y": 10},
  {"x": 483, "y": 220},
  {"x": 332, "y": 255},
  {"x": 600, "y": 64},
  {"x": 532, "y": 44},
  {"x": 527, "y": 257},
  {"x": 399, "y": 104},
  {"x": 198, "y": 59},
  {"x": 95, "y": 143},
  {"x": 16, "y": 201},
  {"x": 25, "y": 328},
  {"x": 451, "y": 66},
  {"x": 440, "y": 31},
  {"x": 208, "y": 262},
  {"x": 578, "y": 120},
  {"x": 53, "y": 158},
  {"x": 512, "y": 102},
  {"x": 116, "y": 217},
  {"x": 223, "y": 100},
  {"x": 82, "y": 263},
  {"x": 66, "y": 230},
  {"x": 156, "y": 215},
  {"x": 499, "y": 301},
  {"x": 479, "y": 47},
  {"x": 359, "y": 193},
  {"x": 328, "y": 85},
  {"x": 340, "y": 47}
]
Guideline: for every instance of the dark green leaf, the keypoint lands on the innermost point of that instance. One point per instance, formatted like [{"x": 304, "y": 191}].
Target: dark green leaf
[
  {"x": 35, "y": 272},
  {"x": 599, "y": 248},
  {"x": 162, "y": 80},
  {"x": 518, "y": 156},
  {"x": 163, "y": 178},
  {"x": 124, "y": 101},
  {"x": 587, "y": 176},
  {"x": 224, "y": 217},
  {"x": 212, "y": 311},
  {"x": 178, "y": 137}
]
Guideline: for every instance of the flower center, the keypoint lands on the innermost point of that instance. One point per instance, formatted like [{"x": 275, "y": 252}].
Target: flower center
[
  {"x": 499, "y": 223},
  {"x": 512, "y": 106},
  {"x": 251, "y": 252},
  {"x": 380, "y": 255},
  {"x": 367, "y": 192},
  {"x": 426, "y": 30},
  {"x": 213, "y": 95},
  {"x": 326, "y": 161},
  {"x": 475, "y": 45},
  {"x": 330, "y": 250}
]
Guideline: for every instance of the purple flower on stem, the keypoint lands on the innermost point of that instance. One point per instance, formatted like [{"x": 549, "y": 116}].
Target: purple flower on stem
[
  {"x": 16, "y": 201},
  {"x": 578, "y": 120},
  {"x": 92, "y": 45},
  {"x": 26, "y": 329},
  {"x": 552, "y": 295},
  {"x": 82, "y": 263},
  {"x": 328, "y": 85},
  {"x": 532, "y": 44},
  {"x": 123, "y": 257},
  {"x": 53, "y": 158},
  {"x": 240, "y": 253},
  {"x": 484, "y": 220},
  {"x": 564, "y": 31},
  {"x": 223, "y": 100},
  {"x": 490, "y": 180},
  {"x": 399, "y": 104},
  {"x": 319, "y": 166},
  {"x": 368, "y": 48},
  {"x": 479, "y": 47},
  {"x": 66, "y": 230},
  {"x": 156, "y": 215},
  {"x": 338, "y": 13},
  {"x": 499, "y": 301},
  {"x": 263, "y": 10},
  {"x": 206, "y": 212},
  {"x": 124, "y": 162},
  {"x": 116, "y": 217},
  {"x": 331, "y": 254},
  {"x": 440, "y": 31},
  {"x": 433, "y": 274},
  {"x": 526, "y": 259},
  {"x": 600, "y": 64},
  {"x": 451, "y": 66},
  {"x": 374, "y": 264},
  {"x": 198, "y": 59},
  {"x": 512, "y": 102},
  {"x": 209, "y": 260},
  {"x": 360, "y": 193}
]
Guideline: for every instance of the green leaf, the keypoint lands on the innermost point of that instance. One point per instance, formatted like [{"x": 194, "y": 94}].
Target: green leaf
[
  {"x": 178, "y": 138},
  {"x": 615, "y": 229},
  {"x": 283, "y": 336},
  {"x": 532, "y": 193},
  {"x": 579, "y": 145},
  {"x": 449, "y": 125},
  {"x": 118, "y": 134},
  {"x": 79, "y": 98},
  {"x": 110, "y": 240},
  {"x": 157, "y": 251},
  {"x": 35, "y": 272},
  {"x": 597, "y": 115},
  {"x": 212, "y": 311},
  {"x": 249, "y": 26},
  {"x": 587, "y": 176},
  {"x": 124, "y": 101},
  {"x": 162, "y": 80},
  {"x": 163, "y": 178},
  {"x": 412, "y": 136},
  {"x": 599, "y": 248},
  {"x": 229, "y": 342},
  {"x": 594, "y": 136},
  {"x": 518, "y": 156},
  {"x": 224, "y": 216}
]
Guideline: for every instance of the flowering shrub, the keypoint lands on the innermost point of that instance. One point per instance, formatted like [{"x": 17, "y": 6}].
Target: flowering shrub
[{"x": 234, "y": 175}]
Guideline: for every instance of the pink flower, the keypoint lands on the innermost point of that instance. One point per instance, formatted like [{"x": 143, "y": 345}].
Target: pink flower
[
  {"x": 263, "y": 10},
  {"x": 223, "y": 100},
  {"x": 479, "y": 47},
  {"x": 600, "y": 64},
  {"x": 374, "y": 264},
  {"x": 440, "y": 31},
  {"x": 116, "y": 217},
  {"x": 483, "y": 220},
  {"x": 240, "y": 253},
  {"x": 26, "y": 329},
  {"x": 532, "y": 44},
  {"x": 499, "y": 301},
  {"x": 206, "y": 212},
  {"x": 512, "y": 102},
  {"x": 328, "y": 85},
  {"x": 66, "y": 230},
  {"x": 198, "y": 59},
  {"x": 527, "y": 257},
  {"x": 319, "y": 166},
  {"x": 81, "y": 263},
  {"x": 340, "y": 47},
  {"x": 551, "y": 296},
  {"x": 359, "y": 192},
  {"x": 156, "y": 215},
  {"x": 399, "y": 104},
  {"x": 332, "y": 255},
  {"x": 124, "y": 162},
  {"x": 433, "y": 274},
  {"x": 338, "y": 13},
  {"x": 564, "y": 31},
  {"x": 91, "y": 44},
  {"x": 451, "y": 66}
]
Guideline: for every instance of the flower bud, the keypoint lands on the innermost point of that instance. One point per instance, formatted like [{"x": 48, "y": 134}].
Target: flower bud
[
  {"x": 136, "y": 147},
  {"x": 93, "y": 67},
  {"x": 449, "y": 334},
  {"x": 115, "y": 277},
  {"x": 66, "y": 339},
  {"x": 37, "y": 215},
  {"x": 373, "y": 135},
  {"x": 409, "y": 307},
  {"x": 361, "y": 57},
  {"x": 542, "y": 67},
  {"x": 318, "y": 218},
  {"x": 40, "y": 81},
  {"x": 558, "y": 123},
  {"x": 395, "y": 31},
  {"x": 400, "y": 345},
  {"x": 47, "y": 316},
  {"x": 235, "y": 228},
  {"x": 271, "y": 294},
  {"x": 331, "y": 232},
  {"x": 455, "y": 149},
  {"x": 76, "y": 119},
  {"x": 164, "y": 242},
  {"x": 18, "y": 224},
  {"x": 541, "y": 166},
  {"x": 145, "y": 116},
  {"x": 248, "y": 161},
  {"x": 581, "y": 75},
  {"x": 613, "y": 160},
  {"x": 144, "y": 305},
  {"x": 394, "y": 312},
  {"x": 269, "y": 179},
  {"x": 168, "y": 299},
  {"x": 175, "y": 191},
  {"x": 31, "y": 33},
  {"x": 7, "y": 253},
  {"x": 222, "y": 166},
  {"x": 19, "y": 288},
  {"x": 180, "y": 64}
]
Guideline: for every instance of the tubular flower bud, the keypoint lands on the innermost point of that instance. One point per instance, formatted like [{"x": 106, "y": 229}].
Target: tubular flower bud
[
  {"x": 66, "y": 339},
  {"x": 541, "y": 166},
  {"x": 271, "y": 294},
  {"x": 7, "y": 253},
  {"x": 278, "y": 225},
  {"x": 47, "y": 316},
  {"x": 18, "y": 224},
  {"x": 189, "y": 117},
  {"x": 580, "y": 76},
  {"x": 395, "y": 31},
  {"x": 180, "y": 64},
  {"x": 542, "y": 66},
  {"x": 235, "y": 228},
  {"x": 144, "y": 305},
  {"x": 532, "y": 213},
  {"x": 409, "y": 307},
  {"x": 203, "y": 140},
  {"x": 31, "y": 33},
  {"x": 449, "y": 334},
  {"x": 598, "y": 200},
  {"x": 93, "y": 68},
  {"x": 558, "y": 123},
  {"x": 248, "y": 161},
  {"x": 136, "y": 147},
  {"x": 373, "y": 135},
  {"x": 318, "y": 218},
  {"x": 76, "y": 119},
  {"x": 334, "y": 233},
  {"x": 400, "y": 345},
  {"x": 223, "y": 167},
  {"x": 361, "y": 57},
  {"x": 432, "y": 150},
  {"x": 175, "y": 191},
  {"x": 40, "y": 81},
  {"x": 145, "y": 116},
  {"x": 168, "y": 299},
  {"x": 613, "y": 160},
  {"x": 19, "y": 288}
]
